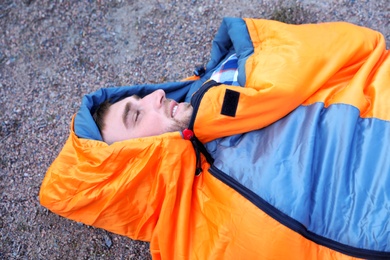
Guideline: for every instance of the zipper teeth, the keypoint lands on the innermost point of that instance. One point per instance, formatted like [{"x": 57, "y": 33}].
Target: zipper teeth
[{"x": 293, "y": 224}]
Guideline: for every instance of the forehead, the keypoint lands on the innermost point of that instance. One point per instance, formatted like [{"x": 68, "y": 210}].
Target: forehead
[
  {"x": 116, "y": 109},
  {"x": 122, "y": 101},
  {"x": 114, "y": 127},
  {"x": 120, "y": 105}
]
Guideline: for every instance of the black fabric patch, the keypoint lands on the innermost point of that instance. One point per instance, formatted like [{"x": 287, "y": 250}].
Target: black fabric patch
[{"x": 230, "y": 103}]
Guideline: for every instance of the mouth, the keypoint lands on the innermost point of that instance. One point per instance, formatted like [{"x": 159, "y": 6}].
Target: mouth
[{"x": 173, "y": 108}]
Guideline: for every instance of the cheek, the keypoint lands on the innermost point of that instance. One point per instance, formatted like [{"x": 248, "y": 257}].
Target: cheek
[
  {"x": 185, "y": 116},
  {"x": 155, "y": 124}
]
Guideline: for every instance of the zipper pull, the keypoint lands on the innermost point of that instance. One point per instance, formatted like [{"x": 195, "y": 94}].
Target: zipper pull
[{"x": 188, "y": 134}]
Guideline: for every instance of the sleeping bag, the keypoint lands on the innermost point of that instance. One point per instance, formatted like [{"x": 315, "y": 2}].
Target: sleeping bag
[{"x": 288, "y": 160}]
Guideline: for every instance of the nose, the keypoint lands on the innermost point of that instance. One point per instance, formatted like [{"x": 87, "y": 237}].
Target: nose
[{"x": 155, "y": 98}]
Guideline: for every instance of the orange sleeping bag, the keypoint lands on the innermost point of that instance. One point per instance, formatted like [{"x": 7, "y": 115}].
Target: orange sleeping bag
[{"x": 295, "y": 165}]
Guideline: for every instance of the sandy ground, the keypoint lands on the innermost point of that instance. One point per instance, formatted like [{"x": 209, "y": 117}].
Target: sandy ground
[{"x": 54, "y": 52}]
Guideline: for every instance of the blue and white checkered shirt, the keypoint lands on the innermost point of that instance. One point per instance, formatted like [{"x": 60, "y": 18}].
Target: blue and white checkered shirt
[{"x": 227, "y": 73}]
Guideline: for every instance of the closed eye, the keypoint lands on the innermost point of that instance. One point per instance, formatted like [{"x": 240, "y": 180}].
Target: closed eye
[
  {"x": 137, "y": 113},
  {"x": 125, "y": 114}
]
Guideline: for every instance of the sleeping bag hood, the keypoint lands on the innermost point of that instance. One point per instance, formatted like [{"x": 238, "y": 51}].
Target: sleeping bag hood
[{"x": 290, "y": 163}]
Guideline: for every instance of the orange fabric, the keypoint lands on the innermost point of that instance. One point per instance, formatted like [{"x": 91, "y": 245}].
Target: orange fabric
[
  {"x": 183, "y": 217},
  {"x": 294, "y": 65},
  {"x": 224, "y": 225},
  {"x": 146, "y": 189},
  {"x": 122, "y": 187},
  {"x": 194, "y": 77}
]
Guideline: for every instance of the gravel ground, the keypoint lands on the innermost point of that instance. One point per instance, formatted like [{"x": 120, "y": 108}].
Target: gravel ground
[{"x": 54, "y": 52}]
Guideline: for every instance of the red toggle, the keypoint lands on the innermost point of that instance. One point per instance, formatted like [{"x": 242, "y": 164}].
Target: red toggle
[{"x": 188, "y": 134}]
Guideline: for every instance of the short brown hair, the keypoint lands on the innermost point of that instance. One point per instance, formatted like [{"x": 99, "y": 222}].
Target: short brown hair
[{"x": 100, "y": 114}]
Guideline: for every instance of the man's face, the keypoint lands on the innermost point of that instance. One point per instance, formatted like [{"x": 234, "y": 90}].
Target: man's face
[{"x": 153, "y": 114}]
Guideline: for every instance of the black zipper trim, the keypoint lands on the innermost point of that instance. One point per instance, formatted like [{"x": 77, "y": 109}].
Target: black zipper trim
[
  {"x": 198, "y": 146},
  {"x": 203, "y": 150},
  {"x": 197, "y": 97},
  {"x": 292, "y": 223},
  {"x": 198, "y": 169}
]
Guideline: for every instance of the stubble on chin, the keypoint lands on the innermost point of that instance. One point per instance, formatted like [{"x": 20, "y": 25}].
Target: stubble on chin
[{"x": 179, "y": 124}]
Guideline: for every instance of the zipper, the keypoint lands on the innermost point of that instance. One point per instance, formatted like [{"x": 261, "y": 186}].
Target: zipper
[
  {"x": 292, "y": 223},
  {"x": 263, "y": 205},
  {"x": 188, "y": 133},
  {"x": 197, "y": 98}
]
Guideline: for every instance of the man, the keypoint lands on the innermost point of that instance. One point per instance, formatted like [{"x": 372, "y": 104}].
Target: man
[
  {"x": 135, "y": 117},
  {"x": 290, "y": 163}
]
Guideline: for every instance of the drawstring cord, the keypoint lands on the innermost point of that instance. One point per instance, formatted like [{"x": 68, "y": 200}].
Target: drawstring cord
[
  {"x": 189, "y": 135},
  {"x": 198, "y": 169},
  {"x": 199, "y": 148}
]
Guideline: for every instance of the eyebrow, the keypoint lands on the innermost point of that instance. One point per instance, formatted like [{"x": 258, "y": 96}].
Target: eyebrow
[{"x": 125, "y": 114}]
